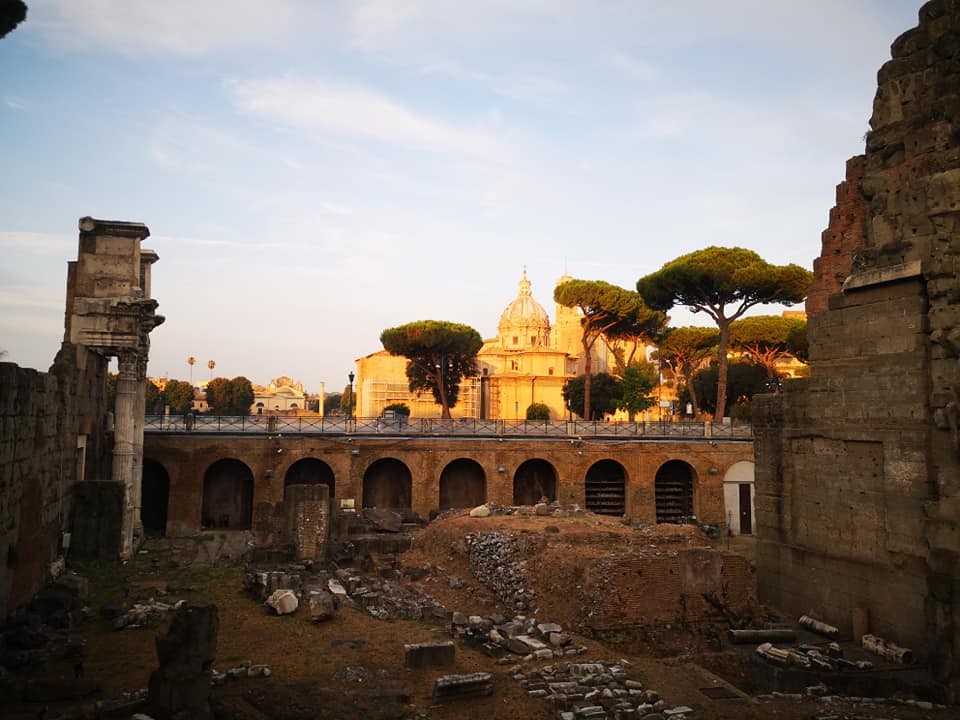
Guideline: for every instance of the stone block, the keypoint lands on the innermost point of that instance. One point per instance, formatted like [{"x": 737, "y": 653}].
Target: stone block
[
  {"x": 323, "y": 605},
  {"x": 420, "y": 655},
  {"x": 284, "y": 602}
]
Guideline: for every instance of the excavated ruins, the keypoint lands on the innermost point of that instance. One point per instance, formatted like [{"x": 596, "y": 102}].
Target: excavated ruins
[{"x": 849, "y": 611}]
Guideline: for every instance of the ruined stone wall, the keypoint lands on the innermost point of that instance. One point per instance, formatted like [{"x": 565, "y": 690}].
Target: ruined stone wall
[
  {"x": 858, "y": 467},
  {"x": 842, "y": 238},
  {"x": 689, "y": 586},
  {"x": 50, "y": 438}
]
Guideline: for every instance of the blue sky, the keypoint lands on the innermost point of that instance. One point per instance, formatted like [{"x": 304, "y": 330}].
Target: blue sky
[{"x": 315, "y": 172}]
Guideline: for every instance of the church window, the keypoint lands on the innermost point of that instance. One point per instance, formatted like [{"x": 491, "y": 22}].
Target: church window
[
  {"x": 516, "y": 340},
  {"x": 514, "y": 365},
  {"x": 533, "y": 339},
  {"x": 549, "y": 371}
]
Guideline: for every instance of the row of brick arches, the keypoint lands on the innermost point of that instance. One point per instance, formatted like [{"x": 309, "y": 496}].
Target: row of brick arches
[{"x": 228, "y": 488}]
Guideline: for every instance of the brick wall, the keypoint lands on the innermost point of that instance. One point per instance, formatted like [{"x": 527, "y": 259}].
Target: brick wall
[
  {"x": 843, "y": 237},
  {"x": 187, "y": 457}
]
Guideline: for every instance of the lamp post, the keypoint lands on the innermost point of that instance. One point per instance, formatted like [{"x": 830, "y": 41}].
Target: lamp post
[{"x": 351, "y": 376}]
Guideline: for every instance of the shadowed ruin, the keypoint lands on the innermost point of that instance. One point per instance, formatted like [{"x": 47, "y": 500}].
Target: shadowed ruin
[
  {"x": 858, "y": 467},
  {"x": 71, "y": 470}
]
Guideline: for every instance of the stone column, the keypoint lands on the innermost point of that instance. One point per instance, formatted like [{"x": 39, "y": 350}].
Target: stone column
[
  {"x": 136, "y": 480},
  {"x": 125, "y": 414}
]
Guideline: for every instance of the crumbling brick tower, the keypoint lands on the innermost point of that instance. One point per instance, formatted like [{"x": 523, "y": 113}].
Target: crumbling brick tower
[{"x": 858, "y": 466}]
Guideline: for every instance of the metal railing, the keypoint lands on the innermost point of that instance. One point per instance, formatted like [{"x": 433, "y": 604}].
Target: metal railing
[{"x": 474, "y": 427}]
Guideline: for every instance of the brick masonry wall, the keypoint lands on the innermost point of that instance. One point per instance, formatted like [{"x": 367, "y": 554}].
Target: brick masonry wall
[
  {"x": 843, "y": 237},
  {"x": 187, "y": 457},
  {"x": 42, "y": 416},
  {"x": 858, "y": 466}
]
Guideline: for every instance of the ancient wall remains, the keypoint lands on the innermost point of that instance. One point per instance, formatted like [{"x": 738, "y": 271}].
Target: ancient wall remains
[
  {"x": 54, "y": 430},
  {"x": 842, "y": 238},
  {"x": 858, "y": 466},
  {"x": 688, "y": 586},
  {"x": 187, "y": 458},
  {"x": 50, "y": 439}
]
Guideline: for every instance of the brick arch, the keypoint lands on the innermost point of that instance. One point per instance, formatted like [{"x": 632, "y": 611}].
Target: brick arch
[
  {"x": 463, "y": 483},
  {"x": 674, "y": 487},
  {"x": 309, "y": 471},
  {"x": 154, "y": 497},
  {"x": 387, "y": 483},
  {"x": 534, "y": 479},
  {"x": 605, "y": 487},
  {"x": 227, "y": 495}
]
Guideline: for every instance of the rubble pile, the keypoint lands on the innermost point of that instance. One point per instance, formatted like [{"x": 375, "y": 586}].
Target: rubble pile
[
  {"x": 553, "y": 509},
  {"x": 149, "y": 614},
  {"x": 595, "y": 689},
  {"x": 811, "y": 657},
  {"x": 499, "y": 637},
  {"x": 324, "y": 593},
  {"x": 42, "y": 632},
  {"x": 497, "y": 561}
]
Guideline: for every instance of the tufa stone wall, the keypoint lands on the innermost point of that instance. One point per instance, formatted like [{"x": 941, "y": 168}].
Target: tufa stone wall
[
  {"x": 51, "y": 438},
  {"x": 858, "y": 466}
]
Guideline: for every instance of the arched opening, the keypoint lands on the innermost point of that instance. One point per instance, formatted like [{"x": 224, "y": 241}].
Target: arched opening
[
  {"x": 387, "y": 484},
  {"x": 154, "y": 498},
  {"x": 462, "y": 484},
  {"x": 606, "y": 484},
  {"x": 227, "y": 496},
  {"x": 674, "y": 491},
  {"x": 309, "y": 471},
  {"x": 738, "y": 497},
  {"x": 534, "y": 479}
]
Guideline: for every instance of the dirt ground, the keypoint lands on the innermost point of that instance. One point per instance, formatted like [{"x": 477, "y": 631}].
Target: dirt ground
[{"x": 353, "y": 665}]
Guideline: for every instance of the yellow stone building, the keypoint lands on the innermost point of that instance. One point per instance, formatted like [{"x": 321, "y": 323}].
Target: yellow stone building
[{"x": 527, "y": 362}]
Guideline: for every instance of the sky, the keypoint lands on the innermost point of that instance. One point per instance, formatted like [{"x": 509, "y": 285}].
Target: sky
[{"x": 313, "y": 172}]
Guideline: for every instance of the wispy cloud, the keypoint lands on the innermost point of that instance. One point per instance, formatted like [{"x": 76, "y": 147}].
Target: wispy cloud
[
  {"x": 327, "y": 106},
  {"x": 38, "y": 243},
  {"x": 14, "y": 103},
  {"x": 530, "y": 88},
  {"x": 183, "y": 27},
  {"x": 632, "y": 67}
]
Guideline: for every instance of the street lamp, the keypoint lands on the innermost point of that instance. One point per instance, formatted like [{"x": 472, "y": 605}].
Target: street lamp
[{"x": 351, "y": 376}]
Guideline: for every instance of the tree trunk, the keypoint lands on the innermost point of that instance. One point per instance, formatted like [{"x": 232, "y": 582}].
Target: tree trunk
[
  {"x": 438, "y": 379},
  {"x": 724, "y": 326},
  {"x": 586, "y": 380},
  {"x": 693, "y": 394}
]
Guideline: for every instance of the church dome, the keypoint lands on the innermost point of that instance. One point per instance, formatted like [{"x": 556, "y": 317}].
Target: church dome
[{"x": 524, "y": 324}]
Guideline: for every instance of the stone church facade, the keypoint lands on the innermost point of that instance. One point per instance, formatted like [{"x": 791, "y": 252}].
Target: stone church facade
[{"x": 529, "y": 361}]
